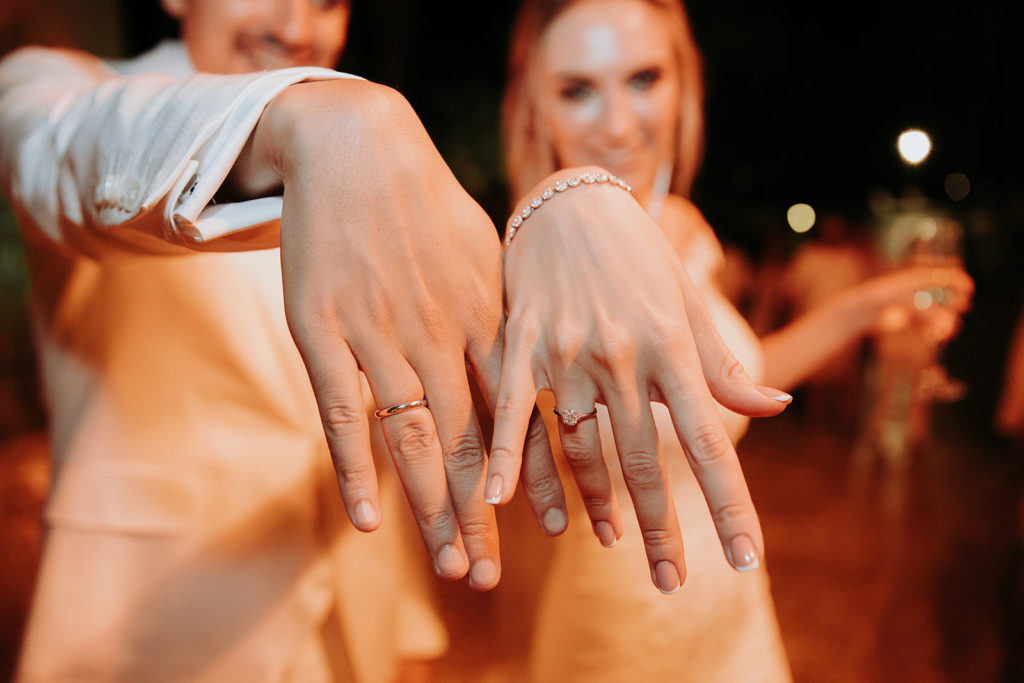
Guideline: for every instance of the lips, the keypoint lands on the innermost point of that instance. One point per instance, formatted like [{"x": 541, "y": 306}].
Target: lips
[{"x": 266, "y": 53}]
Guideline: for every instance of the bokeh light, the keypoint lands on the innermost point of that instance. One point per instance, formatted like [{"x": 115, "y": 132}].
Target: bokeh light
[
  {"x": 957, "y": 186},
  {"x": 914, "y": 146},
  {"x": 800, "y": 217},
  {"x": 923, "y": 300}
]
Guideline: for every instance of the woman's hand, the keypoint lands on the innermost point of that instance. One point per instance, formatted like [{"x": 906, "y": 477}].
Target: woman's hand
[
  {"x": 600, "y": 311},
  {"x": 932, "y": 299}
]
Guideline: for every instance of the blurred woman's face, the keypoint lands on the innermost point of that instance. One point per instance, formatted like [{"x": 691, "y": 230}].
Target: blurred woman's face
[
  {"x": 239, "y": 36},
  {"x": 609, "y": 89}
]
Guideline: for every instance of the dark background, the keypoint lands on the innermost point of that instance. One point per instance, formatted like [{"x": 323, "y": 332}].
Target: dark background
[{"x": 804, "y": 104}]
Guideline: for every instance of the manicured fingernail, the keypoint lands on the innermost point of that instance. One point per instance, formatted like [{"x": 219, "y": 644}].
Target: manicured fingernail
[
  {"x": 555, "y": 521},
  {"x": 365, "y": 515},
  {"x": 494, "y": 489},
  {"x": 605, "y": 532},
  {"x": 450, "y": 562},
  {"x": 775, "y": 394},
  {"x": 483, "y": 574},
  {"x": 666, "y": 577},
  {"x": 744, "y": 553}
]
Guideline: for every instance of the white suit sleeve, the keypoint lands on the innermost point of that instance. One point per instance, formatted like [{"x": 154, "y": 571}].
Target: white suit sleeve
[{"x": 95, "y": 159}]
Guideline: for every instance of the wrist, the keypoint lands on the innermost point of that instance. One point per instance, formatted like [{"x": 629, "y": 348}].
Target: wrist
[
  {"x": 310, "y": 119},
  {"x": 549, "y": 188}
]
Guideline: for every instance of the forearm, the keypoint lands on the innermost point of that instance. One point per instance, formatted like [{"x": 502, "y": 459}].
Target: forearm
[{"x": 800, "y": 349}]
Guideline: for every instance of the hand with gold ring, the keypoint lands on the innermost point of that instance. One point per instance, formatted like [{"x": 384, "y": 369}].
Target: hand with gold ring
[
  {"x": 601, "y": 311},
  {"x": 571, "y": 417},
  {"x": 392, "y": 270},
  {"x": 400, "y": 408}
]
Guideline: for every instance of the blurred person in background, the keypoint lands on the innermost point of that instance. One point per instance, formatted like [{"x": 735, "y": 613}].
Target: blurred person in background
[
  {"x": 194, "y": 214},
  {"x": 618, "y": 84},
  {"x": 836, "y": 259},
  {"x": 1009, "y": 415}
]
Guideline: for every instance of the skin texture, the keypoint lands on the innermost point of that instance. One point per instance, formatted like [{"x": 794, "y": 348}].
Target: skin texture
[
  {"x": 429, "y": 320},
  {"x": 623, "y": 336}
]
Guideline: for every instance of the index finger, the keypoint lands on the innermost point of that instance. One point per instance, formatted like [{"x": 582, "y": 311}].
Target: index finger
[{"x": 534, "y": 465}]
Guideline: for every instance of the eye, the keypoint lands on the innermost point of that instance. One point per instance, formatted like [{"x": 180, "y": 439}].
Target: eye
[
  {"x": 645, "y": 79},
  {"x": 574, "y": 91}
]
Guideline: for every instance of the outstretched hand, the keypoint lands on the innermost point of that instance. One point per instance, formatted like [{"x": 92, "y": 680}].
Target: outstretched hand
[
  {"x": 600, "y": 311},
  {"x": 391, "y": 269}
]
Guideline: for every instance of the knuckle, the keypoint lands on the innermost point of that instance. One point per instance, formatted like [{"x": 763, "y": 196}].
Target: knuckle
[
  {"x": 541, "y": 486},
  {"x": 523, "y": 330},
  {"x": 657, "y": 537},
  {"x": 438, "y": 523},
  {"x": 353, "y": 478},
  {"x": 665, "y": 331},
  {"x": 474, "y": 528},
  {"x": 578, "y": 453},
  {"x": 709, "y": 443},
  {"x": 341, "y": 418},
  {"x": 505, "y": 404},
  {"x": 596, "y": 505},
  {"x": 614, "y": 347},
  {"x": 567, "y": 344},
  {"x": 641, "y": 468},
  {"x": 465, "y": 452},
  {"x": 414, "y": 441},
  {"x": 502, "y": 453},
  {"x": 731, "y": 368},
  {"x": 729, "y": 513}
]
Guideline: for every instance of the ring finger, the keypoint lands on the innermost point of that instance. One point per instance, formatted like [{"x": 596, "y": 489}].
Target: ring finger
[
  {"x": 411, "y": 437},
  {"x": 576, "y": 416}
]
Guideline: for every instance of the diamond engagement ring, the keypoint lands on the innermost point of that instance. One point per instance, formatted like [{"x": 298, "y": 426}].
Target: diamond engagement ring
[
  {"x": 400, "y": 408},
  {"x": 570, "y": 417}
]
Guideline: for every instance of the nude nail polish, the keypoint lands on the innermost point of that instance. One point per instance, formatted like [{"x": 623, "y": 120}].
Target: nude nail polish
[
  {"x": 365, "y": 515},
  {"x": 744, "y": 553},
  {"x": 495, "y": 487},
  {"x": 666, "y": 577},
  {"x": 605, "y": 533},
  {"x": 555, "y": 521},
  {"x": 483, "y": 574},
  {"x": 450, "y": 562}
]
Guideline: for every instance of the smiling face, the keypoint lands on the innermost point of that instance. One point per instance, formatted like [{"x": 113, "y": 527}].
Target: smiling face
[
  {"x": 239, "y": 36},
  {"x": 609, "y": 89}
]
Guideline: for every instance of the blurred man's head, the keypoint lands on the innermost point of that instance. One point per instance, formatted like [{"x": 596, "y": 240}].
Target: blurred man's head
[{"x": 237, "y": 36}]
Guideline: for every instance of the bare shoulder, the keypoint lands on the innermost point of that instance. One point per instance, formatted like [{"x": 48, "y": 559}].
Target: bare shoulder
[
  {"x": 684, "y": 223},
  {"x": 691, "y": 236}
]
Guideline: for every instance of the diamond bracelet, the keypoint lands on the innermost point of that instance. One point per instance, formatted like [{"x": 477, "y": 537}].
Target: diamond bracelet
[{"x": 560, "y": 186}]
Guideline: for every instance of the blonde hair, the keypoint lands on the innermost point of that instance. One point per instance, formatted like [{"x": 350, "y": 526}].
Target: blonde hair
[{"x": 529, "y": 157}]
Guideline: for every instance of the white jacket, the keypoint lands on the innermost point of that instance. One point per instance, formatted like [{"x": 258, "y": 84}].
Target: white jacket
[{"x": 195, "y": 530}]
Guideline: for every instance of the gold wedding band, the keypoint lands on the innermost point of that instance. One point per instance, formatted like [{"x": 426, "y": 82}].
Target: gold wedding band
[
  {"x": 570, "y": 417},
  {"x": 400, "y": 408}
]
